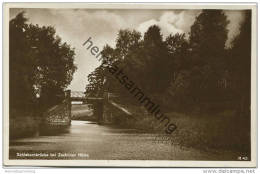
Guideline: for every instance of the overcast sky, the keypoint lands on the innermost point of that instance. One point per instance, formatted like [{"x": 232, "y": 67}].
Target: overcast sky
[{"x": 76, "y": 26}]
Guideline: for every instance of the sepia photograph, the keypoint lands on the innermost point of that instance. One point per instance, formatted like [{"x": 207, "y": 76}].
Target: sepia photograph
[{"x": 137, "y": 85}]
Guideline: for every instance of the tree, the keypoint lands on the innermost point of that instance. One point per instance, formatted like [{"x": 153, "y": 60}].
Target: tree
[
  {"x": 96, "y": 82},
  {"x": 208, "y": 37},
  {"x": 40, "y": 64},
  {"x": 127, "y": 42},
  {"x": 21, "y": 67},
  {"x": 156, "y": 71},
  {"x": 180, "y": 65},
  {"x": 54, "y": 65},
  {"x": 208, "y": 55},
  {"x": 240, "y": 65},
  {"x": 178, "y": 52}
]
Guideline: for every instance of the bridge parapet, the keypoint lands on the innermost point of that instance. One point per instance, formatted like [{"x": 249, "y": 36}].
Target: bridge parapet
[
  {"x": 59, "y": 115},
  {"x": 105, "y": 109},
  {"x": 114, "y": 112}
]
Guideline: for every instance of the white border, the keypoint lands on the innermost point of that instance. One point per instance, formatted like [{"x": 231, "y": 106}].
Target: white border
[{"x": 132, "y": 163}]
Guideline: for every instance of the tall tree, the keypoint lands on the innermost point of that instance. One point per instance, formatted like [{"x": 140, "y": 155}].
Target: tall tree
[
  {"x": 155, "y": 54},
  {"x": 40, "y": 64},
  {"x": 178, "y": 52},
  {"x": 180, "y": 65},
  {"x": 127, "y": 42},
  {"x": 207, "y": 42},
  {"x": 208, "y": 36},
  {"x": 54, "y": 66},
  {"x": 96, "y": 82},
  {"x": 21, "y": 69},
  {"x": 240, "y": 65}
]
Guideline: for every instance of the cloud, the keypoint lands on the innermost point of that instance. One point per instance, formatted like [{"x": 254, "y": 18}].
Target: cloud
[
  {"x": 172, "y": 22},
  {"x": 235, "y": 19},
  {"x": 76, "y": 26}
]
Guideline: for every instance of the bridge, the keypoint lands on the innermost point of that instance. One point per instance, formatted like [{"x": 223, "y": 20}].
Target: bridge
[
  {"x": 81, "y": 96},
  {"x": 104, "y": 109}
]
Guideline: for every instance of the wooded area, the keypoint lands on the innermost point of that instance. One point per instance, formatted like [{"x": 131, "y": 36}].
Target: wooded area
[{"x": 195, "y": 72}]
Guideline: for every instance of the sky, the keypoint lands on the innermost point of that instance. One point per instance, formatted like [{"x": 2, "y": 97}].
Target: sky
[{"x": 75, "y": 26}]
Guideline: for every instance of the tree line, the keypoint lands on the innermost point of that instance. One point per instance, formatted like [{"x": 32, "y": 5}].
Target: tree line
[
  {"x": 183, "y": 71},
  {"x": 41, "y": 66}
]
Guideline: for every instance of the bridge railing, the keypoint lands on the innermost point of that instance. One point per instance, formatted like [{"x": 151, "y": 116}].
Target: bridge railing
[
  {"x": 105, "y": 108},
  {"x": 59, "y": 114}
]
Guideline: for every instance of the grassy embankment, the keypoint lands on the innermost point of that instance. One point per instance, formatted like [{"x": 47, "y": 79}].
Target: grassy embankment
[
  {"x": 222, "y": 130},
  {"x": 23, "y": 126},
  {"x": 215, "y": 131}
]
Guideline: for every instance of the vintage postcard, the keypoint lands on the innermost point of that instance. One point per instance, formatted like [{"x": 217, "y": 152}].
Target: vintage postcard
[{"x": 130, "y": 84}]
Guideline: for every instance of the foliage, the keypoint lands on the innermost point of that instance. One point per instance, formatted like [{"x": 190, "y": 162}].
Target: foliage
[
  {"x": 40, "y": 65},
  {"x": 207, "y": 41},
  {"x": 239, "y": 65},
  {"x": 21, "y": 66},
  {"x": 183, "y": 70},
  {"x": 96, "y": 80}
]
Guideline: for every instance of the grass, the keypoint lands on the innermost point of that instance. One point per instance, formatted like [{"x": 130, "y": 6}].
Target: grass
[
  {"x": 23, "y": 126},
  {"x": 218, "y": 131},
  {"x": 82, "y": 112}
]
